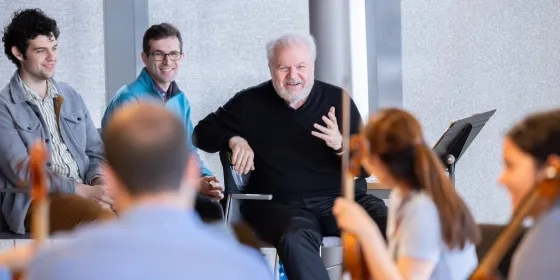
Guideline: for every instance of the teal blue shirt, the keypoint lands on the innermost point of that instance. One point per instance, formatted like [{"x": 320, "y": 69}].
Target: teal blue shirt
[{"x": 144, "y": 88}]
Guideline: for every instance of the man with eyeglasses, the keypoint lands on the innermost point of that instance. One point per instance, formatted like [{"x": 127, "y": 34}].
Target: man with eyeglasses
[{"x": 162, "y": 53}]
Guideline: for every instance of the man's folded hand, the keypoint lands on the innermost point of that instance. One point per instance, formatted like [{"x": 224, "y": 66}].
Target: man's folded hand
[{"x": 210, "y": 186}]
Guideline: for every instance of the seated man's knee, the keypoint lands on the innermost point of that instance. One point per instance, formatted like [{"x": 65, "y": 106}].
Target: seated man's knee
[
  {"x": 90, "y": 210},
  {"x": 69, "y": 211},
  {"x": 209, "y": 209},
  {"x": 375, "y": 206},
  {"x": 377, "y": 210},
  {"x": 300, "y": 237},
  {"x": 106, "y": 214}
]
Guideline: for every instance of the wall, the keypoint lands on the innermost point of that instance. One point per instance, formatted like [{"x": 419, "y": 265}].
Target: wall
[
  {"x": 224, "y": 44},
  {"x": 462, "y": 57},
  {"x": 80, "y": 52}
]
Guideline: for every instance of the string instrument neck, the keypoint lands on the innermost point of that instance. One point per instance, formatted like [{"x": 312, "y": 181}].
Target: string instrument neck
[{"x": 538, "y": 201}]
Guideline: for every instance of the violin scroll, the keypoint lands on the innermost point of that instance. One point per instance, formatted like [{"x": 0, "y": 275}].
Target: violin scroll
[
  {"x": 357, "y": 151},
  {"x": 39, "y": 191},
  {"x": 38, "y": 174},
  {"x": 37, "y": 163},
  {"x": 549, "y": 186}
]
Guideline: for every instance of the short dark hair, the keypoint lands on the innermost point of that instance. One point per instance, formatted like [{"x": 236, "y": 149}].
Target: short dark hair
[
  {"x": 146, "y": 147},
  {"x": 538, "y": 135},
  {"x": 158, "y": 32},
  {"x": 27, "y": 25}
]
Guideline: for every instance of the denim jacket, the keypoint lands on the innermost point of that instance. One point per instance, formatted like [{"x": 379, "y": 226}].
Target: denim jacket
[{"x": 21, "y": 125}]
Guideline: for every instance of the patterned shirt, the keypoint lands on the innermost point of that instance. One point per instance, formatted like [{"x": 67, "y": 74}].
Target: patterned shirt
[
  {"x": 63, "y": 161},
  {"x": 163, "y": 93}
]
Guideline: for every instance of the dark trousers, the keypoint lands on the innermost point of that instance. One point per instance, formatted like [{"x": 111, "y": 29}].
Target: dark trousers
[
  {"x": 208, "y": 209},
  {"x": 297, "y": 228}
]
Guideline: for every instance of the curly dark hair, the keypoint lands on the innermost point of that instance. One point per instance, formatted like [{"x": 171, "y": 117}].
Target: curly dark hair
[{"x": 27, "y": 25}]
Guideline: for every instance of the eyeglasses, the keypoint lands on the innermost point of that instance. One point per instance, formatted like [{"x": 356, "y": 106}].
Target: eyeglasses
[{"x": 159, "y": 56}]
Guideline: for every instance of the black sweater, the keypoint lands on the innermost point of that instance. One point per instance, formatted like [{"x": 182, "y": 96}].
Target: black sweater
[{"x": 290, "y": 163}]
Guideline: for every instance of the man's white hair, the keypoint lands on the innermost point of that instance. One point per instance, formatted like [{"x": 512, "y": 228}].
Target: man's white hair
[{"x": 291, "y": 39}]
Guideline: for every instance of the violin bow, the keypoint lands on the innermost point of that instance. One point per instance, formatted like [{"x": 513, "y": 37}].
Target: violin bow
[
  {"x": 39, "y": 191},
  {"x": 354, "y": 266}
]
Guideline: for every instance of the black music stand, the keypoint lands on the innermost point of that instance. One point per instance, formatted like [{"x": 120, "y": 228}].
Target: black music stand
[{"x": 457, "y": 138}]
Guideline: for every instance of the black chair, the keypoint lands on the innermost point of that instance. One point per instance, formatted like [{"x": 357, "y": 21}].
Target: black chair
[
  {"x": 234, "y": 186},
  {"x": 8, "y": 234}
]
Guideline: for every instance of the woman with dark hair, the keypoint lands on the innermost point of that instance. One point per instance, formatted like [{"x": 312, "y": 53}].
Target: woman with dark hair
[
  {"x": 528, "y": 148},
  {"x": 431, "y": 233}
]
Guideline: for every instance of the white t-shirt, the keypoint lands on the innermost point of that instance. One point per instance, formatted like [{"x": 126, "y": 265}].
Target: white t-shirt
[{"x": 419, "y": 236}]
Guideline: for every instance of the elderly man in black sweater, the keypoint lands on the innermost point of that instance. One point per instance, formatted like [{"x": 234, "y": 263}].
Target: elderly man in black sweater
[{"x": 285, "y": 131}]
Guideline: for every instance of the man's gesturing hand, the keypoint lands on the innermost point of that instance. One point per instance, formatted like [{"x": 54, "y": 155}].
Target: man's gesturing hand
[
  {"x": 242, "y": 155},
  {"x": 330, "y": 134}
]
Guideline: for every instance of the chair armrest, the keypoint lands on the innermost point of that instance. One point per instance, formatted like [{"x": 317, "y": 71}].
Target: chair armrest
[
  {"x": 232, "y": 212},
  {"x": 15, "y": 190},
  {"x": 250, "y": 196}
]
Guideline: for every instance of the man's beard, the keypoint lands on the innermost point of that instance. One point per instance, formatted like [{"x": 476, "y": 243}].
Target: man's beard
[{"x": 293, "y": 98}]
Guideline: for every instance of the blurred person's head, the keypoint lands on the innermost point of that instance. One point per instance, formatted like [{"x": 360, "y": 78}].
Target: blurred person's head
[
  {"x": 528, "y": 147},
  {"x": 147, "y": 158}
]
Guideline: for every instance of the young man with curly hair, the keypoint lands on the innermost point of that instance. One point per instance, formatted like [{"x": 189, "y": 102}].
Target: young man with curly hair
[{"x": 33, "y": 106}]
